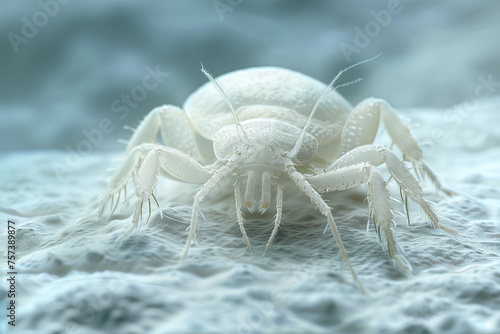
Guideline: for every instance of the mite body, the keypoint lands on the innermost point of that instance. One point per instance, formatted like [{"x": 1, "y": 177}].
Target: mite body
[{"x": 268, "y": 124}]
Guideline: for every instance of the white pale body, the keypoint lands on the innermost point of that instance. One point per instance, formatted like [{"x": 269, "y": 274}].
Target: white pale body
[
  {"x": 270, "y": 93},
  {"x": 264, "y": 125}
]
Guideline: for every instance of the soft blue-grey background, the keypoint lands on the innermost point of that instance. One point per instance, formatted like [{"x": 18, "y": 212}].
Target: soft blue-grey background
[
  {"x": 64, "y": 78},
  {"x": 61, "y": 84}
]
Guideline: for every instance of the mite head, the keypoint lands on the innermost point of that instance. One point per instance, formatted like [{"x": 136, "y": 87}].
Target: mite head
[{"x": 266, "y": 142}]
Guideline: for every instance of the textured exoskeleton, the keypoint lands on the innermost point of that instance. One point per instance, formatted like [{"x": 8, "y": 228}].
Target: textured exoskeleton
[{"x": 268, "y": 124}]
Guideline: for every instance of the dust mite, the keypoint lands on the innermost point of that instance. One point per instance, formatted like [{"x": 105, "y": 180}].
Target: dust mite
[{"x": 271, "y": 124}]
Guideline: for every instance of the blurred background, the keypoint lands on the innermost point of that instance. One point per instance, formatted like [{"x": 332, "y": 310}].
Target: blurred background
[{"x": 70, "y": 68}]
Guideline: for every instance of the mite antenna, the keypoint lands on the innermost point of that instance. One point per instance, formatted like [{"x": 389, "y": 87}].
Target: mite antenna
[
  {"x": 328, "y": 89},
  {"x": 239, "y": 128}
]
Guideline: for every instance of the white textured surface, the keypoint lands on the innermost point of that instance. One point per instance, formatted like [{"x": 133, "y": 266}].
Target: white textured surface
[{"x": 86, "y": 279}]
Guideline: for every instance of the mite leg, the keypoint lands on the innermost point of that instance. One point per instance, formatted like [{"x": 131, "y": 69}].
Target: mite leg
[
  {"x": 379, "y": 154},
  {"x": 379, "y": 199},
  {"x": 361, "y": 127},
  {"x": 320, "y": 203},
  {"x": 173, "y": 162},
  {"x": 118, "y": 182},
  {"x": 239, "y": 213},
  {"x": 176, "y": 130},
  {"x": 219, "y": 175},
  {"x": 279, "y": 214}
]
